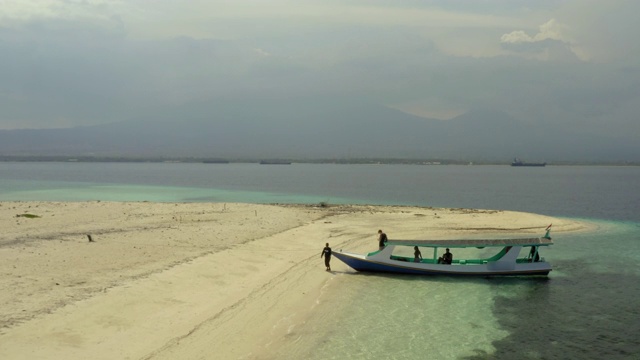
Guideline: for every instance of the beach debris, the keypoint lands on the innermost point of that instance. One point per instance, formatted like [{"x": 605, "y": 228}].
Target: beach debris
[{"x": 28, "y": 216}]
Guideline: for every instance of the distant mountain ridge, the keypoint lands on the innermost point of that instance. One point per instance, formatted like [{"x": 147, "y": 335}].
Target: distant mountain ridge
[{"x": 318, "y": 129}]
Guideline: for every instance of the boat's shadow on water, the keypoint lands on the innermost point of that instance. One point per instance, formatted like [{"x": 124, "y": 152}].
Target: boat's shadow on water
[
  {"x": 580, "y": 313},
  {"x": 584, "y": 314}
]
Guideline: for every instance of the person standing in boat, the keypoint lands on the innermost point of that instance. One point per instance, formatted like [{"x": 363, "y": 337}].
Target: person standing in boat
[
  {"x": 417, "y": 256},
  {"x": 382, "y": 239},
  {"x": 446, "y": 258},
  {"x": 534, "y": 255},
  {"x": 326, "y": 253}
]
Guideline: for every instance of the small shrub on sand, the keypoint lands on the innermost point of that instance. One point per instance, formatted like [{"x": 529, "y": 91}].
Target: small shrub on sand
[{"x": 29, "y": 216}]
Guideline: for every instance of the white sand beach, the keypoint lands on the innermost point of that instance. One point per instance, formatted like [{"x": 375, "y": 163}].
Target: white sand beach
[{"x": 191, "y": 280}]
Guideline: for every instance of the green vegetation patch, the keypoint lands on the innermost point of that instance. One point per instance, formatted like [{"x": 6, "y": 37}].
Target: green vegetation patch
[{"x": 30, "y": 216}]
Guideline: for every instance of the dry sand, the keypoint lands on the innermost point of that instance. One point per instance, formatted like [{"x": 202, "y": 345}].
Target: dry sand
[{"x": 195, "y": 280}]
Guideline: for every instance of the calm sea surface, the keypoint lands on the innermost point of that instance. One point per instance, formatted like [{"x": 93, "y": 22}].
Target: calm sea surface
[
  {"x": 610, "y": 193},
  {"x": 588, "y": 308}
]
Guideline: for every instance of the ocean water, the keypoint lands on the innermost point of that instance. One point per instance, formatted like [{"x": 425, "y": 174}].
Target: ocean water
[
  {"x": 588, "y": 308},
  {"x": 598, "y": 192}
]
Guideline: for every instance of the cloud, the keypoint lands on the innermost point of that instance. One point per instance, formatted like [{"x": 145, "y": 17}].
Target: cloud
[
  {"x": 551, "y": 30},
  {"x": 604, "y": 31},
  {"x": 89, "y": 61},
  {"x": 13, "y": 11},
  {"x": 552, "y": 42}
]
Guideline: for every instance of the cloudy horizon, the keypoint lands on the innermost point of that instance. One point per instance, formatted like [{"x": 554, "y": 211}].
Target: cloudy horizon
[{"x": 72, "y": 63}]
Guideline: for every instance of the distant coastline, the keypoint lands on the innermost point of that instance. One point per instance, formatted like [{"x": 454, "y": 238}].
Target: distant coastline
[{"x": 373, "y": 161}]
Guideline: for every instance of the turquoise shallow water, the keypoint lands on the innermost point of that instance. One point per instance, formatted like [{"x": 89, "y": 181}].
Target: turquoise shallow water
[
  {"x": 400, "y": 317},
  {"x": 588, "y": 308},
  {"x": 76, "y": 191}
]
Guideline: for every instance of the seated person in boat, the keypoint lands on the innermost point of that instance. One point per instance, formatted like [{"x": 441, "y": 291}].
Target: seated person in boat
[{"x": 446, "y": 258}]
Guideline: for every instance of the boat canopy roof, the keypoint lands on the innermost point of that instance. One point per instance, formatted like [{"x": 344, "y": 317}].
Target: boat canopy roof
[{"x": 542, "y": 241}]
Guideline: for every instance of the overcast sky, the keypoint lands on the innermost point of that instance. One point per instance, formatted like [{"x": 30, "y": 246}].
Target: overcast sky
[{"x": 81, "y": 62}]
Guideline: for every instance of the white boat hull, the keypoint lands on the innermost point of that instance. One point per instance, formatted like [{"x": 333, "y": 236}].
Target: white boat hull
[{"x": 383, "y": 262}]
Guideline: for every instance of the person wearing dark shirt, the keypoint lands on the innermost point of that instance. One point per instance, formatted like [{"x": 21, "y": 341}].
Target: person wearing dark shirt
[
  {"x": 326, "y": 253},
  {"x": 534, "y": 255},
  {"x": 417, "y": 256},
  {"x": 446, "y": 258},
  {"x": 382, "y": 239}
]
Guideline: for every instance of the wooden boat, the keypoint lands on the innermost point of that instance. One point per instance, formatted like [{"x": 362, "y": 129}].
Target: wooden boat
[{"x": 506, "y": 260}]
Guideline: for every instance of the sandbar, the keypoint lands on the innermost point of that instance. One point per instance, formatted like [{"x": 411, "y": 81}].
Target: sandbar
[{"x": 192, "y": 280}]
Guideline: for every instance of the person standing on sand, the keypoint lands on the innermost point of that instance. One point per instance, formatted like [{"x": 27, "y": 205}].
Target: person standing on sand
[
  {"x": 326, "y": 253},
  {"x": 382, "y": 239}
]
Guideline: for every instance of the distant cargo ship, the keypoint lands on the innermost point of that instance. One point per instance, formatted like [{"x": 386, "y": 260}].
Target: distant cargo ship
[
  {"x": 275, "y": 162},
  {"x": 518, "y": 162}
]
